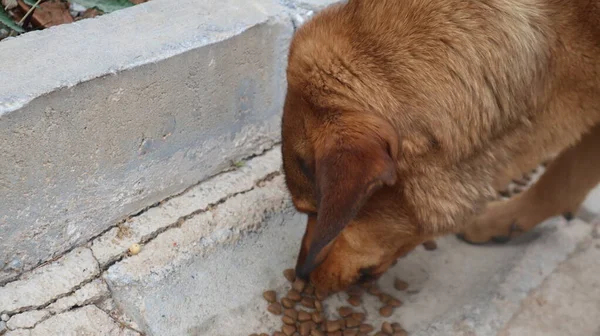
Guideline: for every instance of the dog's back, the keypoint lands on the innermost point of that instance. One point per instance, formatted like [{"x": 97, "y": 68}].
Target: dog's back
[{"x": 463, "y": 75}]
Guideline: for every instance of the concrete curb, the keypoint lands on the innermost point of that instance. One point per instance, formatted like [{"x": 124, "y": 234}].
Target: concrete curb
[{"x": 160, "y": 98}]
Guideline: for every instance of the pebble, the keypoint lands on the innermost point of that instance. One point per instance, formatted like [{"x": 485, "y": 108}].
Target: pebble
[
  {"x": 134, "y": 249},
  {"x": 4, "y": 317}
]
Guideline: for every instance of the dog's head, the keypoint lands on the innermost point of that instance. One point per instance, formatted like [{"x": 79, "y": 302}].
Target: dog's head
[{"x": 341, "y": 170}]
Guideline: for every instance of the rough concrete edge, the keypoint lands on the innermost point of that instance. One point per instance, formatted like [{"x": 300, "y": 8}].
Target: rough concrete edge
[
  {"x": 127, "y": 273},
  {"x": 151, "y": 51},
  {"x": 256, "y": 179},
  {"x": 268, "y": 175},
  {"x": 562, "y": 240}
]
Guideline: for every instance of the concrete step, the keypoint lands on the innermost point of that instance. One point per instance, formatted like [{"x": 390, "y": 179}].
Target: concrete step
[{"x": 213, "y": 285}]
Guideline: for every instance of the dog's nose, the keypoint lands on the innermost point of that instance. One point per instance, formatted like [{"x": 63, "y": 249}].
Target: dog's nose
[
  {"x": 302, "y": 272},
  {"x": 366, "y": 275}
]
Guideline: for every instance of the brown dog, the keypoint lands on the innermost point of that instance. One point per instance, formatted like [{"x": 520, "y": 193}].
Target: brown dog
[{"x": 402, "y": 117}]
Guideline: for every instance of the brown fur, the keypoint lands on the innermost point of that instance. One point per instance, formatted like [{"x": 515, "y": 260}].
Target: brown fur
[{"x": 402, "y": 116}]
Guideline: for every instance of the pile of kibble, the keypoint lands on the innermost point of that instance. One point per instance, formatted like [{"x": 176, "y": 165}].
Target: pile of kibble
[{"x": 303, "y": 315}]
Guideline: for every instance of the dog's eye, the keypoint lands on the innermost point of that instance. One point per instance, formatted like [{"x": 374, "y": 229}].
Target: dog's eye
[{"x": 305, "y": 168}]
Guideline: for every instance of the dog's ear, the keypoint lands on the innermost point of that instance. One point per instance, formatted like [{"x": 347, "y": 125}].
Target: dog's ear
[{"x": 349, "y": 168}]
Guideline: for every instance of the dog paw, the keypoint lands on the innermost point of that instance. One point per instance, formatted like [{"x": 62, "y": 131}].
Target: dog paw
[{"x": 499, "y": 223}]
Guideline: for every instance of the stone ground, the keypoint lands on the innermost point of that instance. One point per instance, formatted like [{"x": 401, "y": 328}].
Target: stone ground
[{"x": 209, "y": 253}]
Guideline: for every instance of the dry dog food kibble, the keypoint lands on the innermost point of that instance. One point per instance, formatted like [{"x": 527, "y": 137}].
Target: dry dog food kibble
[
  {"x": 430, "y": 245},
  {"x": 397, "y": 327},
  {"x": 270, "y": 296},
  {"x": 352, "y": 323},
  {"x": 365, "y": 328},
  {"x": 358, "y": 316},
  {"x": 289, "y": 330},
  {"x": 298, "y": 285},
  {"x": 316, "y": 332},
  {"x": 394, "y": 303},
  {"x": 287, "y": 303},
  {"x": 302, "y": 311},
  {"x": 345, "y": 311},
  {"x": 308, "y": 302},
  {"x": 288, "y": 320},
  {"x": 294, "y": 295},
  {"x": 354, "y": 301},
  {"x": 331, "y": 326},
  {"x": 291, "y": 313},
  {"x": 275, "y": 308},
  {"x": 386, "y": 311},
  {"x": 290, "y": 275},
  {"x": 400, "y": 285},
  {"x": 306, "y": 327},
  {"x": 303, "y": 316},
  {"x": 317, "y": 317},
  {"x": 386, "y": 327},
  {"x": 318, "y": 305}
]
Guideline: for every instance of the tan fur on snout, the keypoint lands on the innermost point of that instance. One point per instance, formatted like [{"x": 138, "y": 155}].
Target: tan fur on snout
[{"x": 402, "y": 116}]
